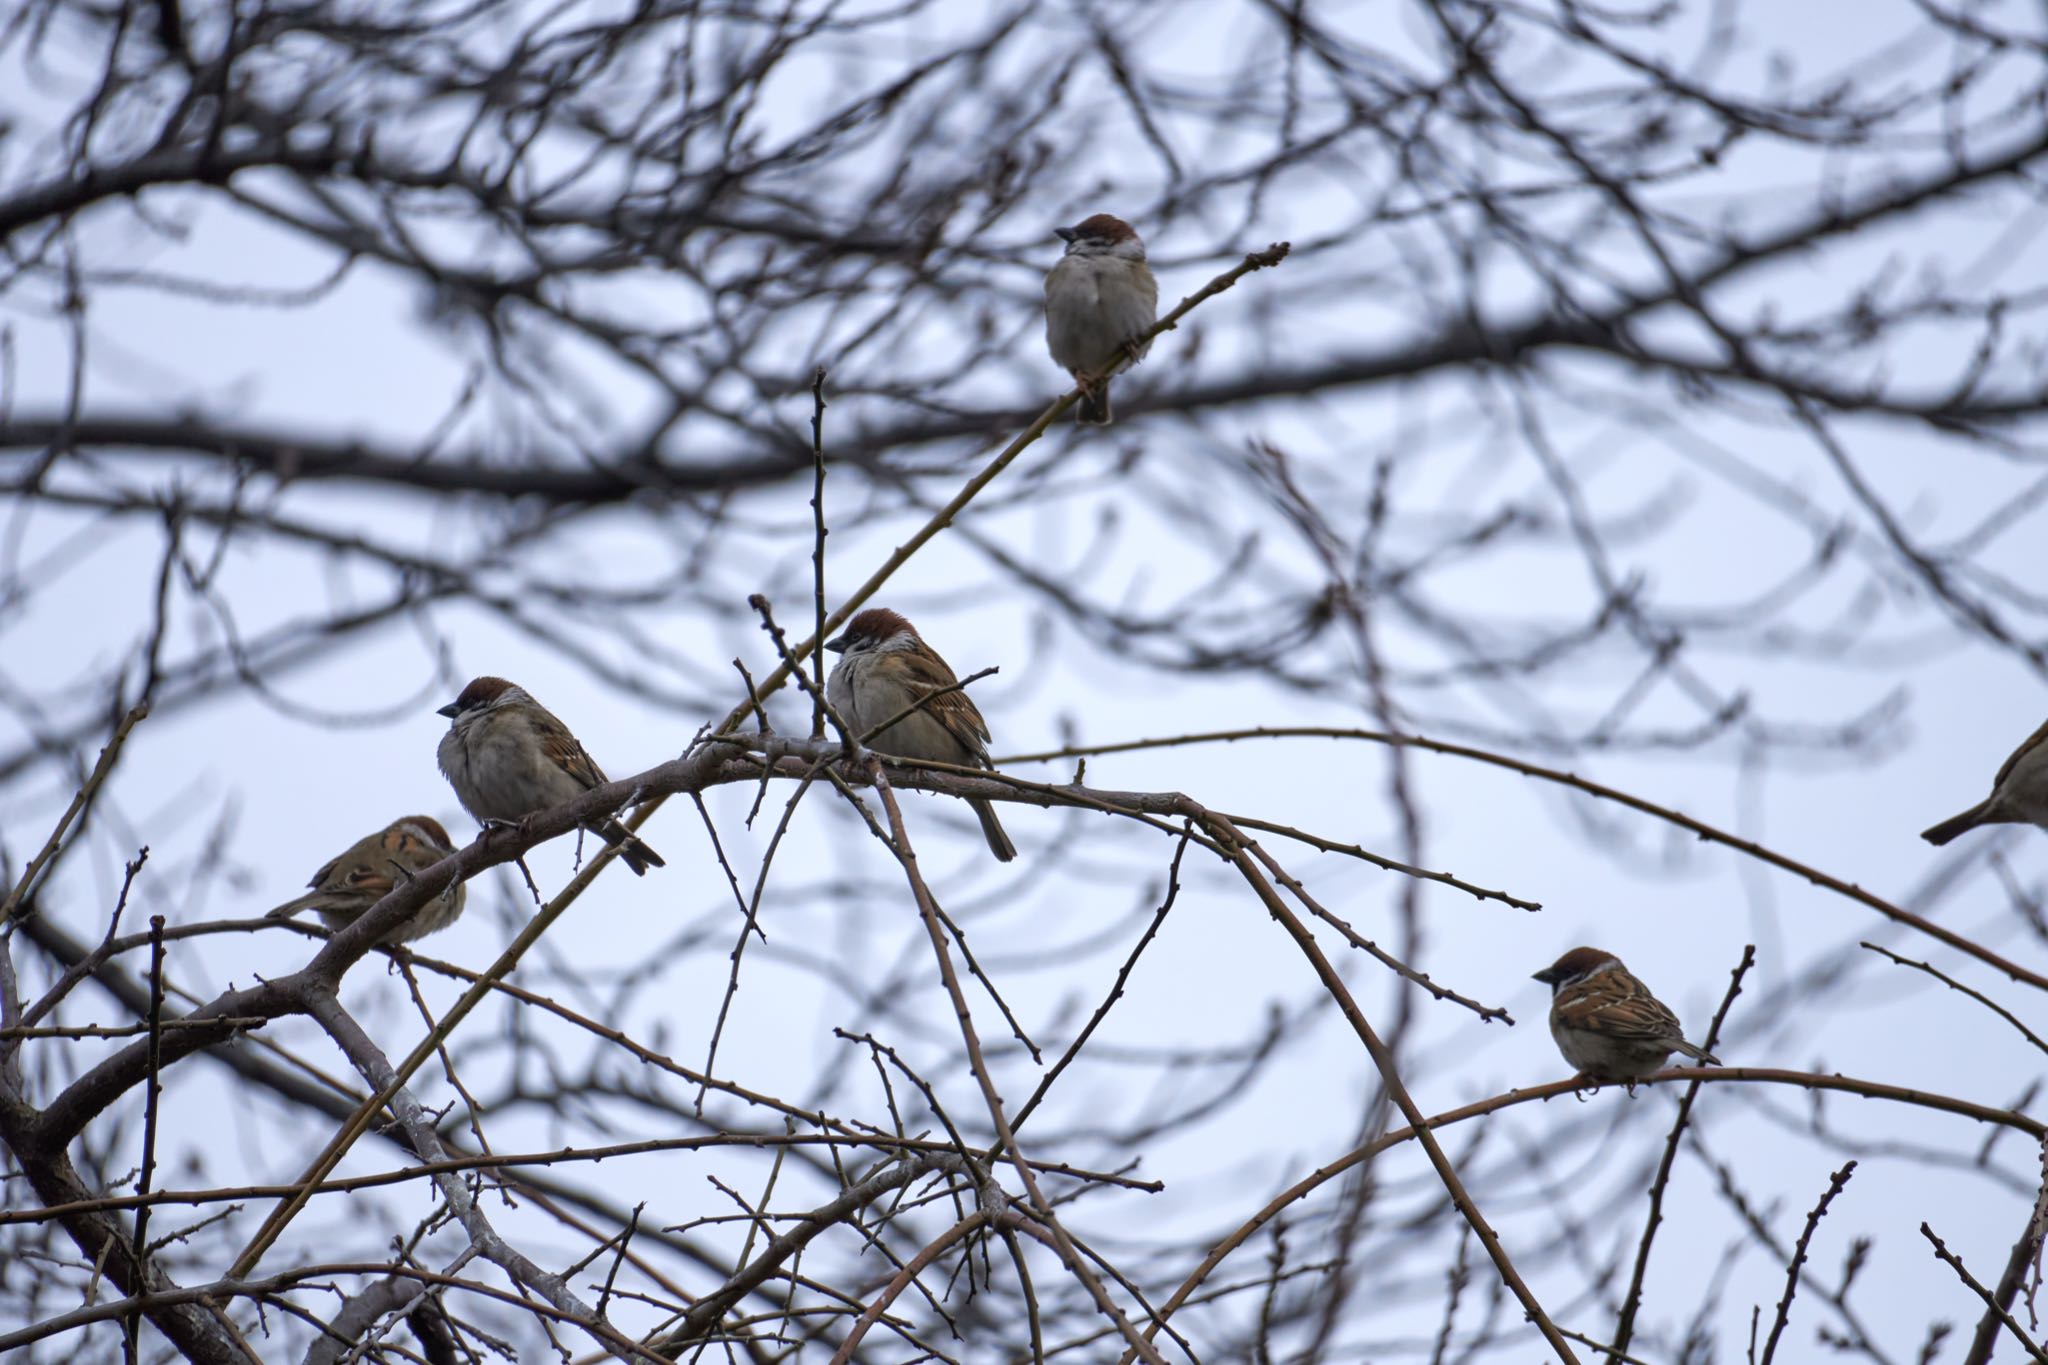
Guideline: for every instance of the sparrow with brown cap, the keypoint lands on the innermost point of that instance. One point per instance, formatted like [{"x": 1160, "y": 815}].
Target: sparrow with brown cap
[
  {"x": 509, "y": 758},
  {"x": 1606, "y": 1022},
  {"x": 884, "y": 668},
  {"x": 1099, "y": 299},
  {"x": 371, "y": 868}
]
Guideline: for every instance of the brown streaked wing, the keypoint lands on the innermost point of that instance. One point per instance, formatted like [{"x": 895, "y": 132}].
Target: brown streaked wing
[
  {"x": 1617, "y": 1005},
  {"x": 568, "y": 754},
  {"x": 326, "y": 870},
  {"x": 2012, "y": 760},
  {"x": 373, "y": 882},
  {"x": 956, "y": 710}
]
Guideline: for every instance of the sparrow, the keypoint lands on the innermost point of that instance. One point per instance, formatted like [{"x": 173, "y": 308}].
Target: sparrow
[
  {"x": 1098, "y": 299},
  {"x": 1607, "y": 1024},
  {"x": 373, "y": 865},
  {"x": 509, "y": 758},
  {"x": 2019, "y": 794},
  {"x": 884, "y": 667}
]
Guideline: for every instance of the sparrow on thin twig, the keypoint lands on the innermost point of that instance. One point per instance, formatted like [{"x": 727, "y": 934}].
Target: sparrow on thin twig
[
  {"x": 1098, "y": 299},
  {"x": 884, "y": 667},
  {"x": 509, "y": 758},
  {"x": 371, "y": 868},
  {"x": 2019, "y": 794},
  {"x": 1606, "y": 1023}
]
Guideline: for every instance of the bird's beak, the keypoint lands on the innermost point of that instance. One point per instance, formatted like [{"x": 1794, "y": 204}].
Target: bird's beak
[
  {"x": 837, "y": 644},
  {"x": 1064, "y": 234},
  {"x": 451, "y": 710},
  {"x": 1543, "y": 976}
]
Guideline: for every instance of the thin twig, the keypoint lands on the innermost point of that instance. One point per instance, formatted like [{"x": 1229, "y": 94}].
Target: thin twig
[
  {"x": 792, "y": 667},
  {"x": 818, "y": 546},
  {"x": 604, "y": 1296},
  {"x": 470, "y": 1106},
  {"x": 1955, "y": 1263},
  {"x": 750, "y": 908},
  {"x": 79, "y": 801},
  {"x": 902, "y": 1280},
  {"x": 251, "y": 1021},
  {"x": 1116, "y": 989},
  {"x": 152, "y": 1089},
  {"x": 338, "y": 1145},
  {"x": 1385, "y": 864},
  {"x": 1626, "y": 1323},
  {"x": 925, "y": 700},
  {"x": 504, "y": 1161},
  {"x": 1835, "y": 1184},
  {"x": 91, "y": 962},
  {"x": 1953, "y": 984},
  {"x": 1486, "y": 1013},
  {"x": 1239, "y": 853},
  {"x": 1139, "y": 1344},
  {"x": 1700, "y": 828},
  {"x": 706, "y": 1312},
  {"x": 370, "y": 1062},
  {"x": 2026, "y": 1255}
]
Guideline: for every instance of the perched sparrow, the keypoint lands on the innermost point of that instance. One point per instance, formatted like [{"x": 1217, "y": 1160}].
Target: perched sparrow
[
  {"x": 508, "y": 757},
  {"x": 1606, "y": 1022},
  {"x": 2019, "y": 794},
  {"x": 375, "y": 864},
  {"x": 1098, "y": 299},
  {"x": 886, "y": 668}
]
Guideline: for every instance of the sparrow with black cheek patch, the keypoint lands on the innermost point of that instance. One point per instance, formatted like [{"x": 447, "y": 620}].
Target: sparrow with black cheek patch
[
  {"x": 884, "y": 667},
  {"x": 1098, "y": 299},
  {"x": 371, "y": 868},
  {"x": 2019, "y": 794},
  {"x": 509, "y": 758},
  {"x": 1606, "y": 1023}
]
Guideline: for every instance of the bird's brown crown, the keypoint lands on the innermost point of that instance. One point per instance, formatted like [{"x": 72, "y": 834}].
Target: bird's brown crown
[
  {"x": 1575, "y": 964},
  {"x": 482, "y": 692},
  {"x": 877, "y": 624},
  {"x": 1104, "y": 226}
]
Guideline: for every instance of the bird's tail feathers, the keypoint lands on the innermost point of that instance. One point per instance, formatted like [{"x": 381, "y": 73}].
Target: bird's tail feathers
[
  {"x": 1957, "y": 824},
  {"x": 1093, "y": 409},
  {"x": 292, "y": 907},
  {"x": 992, "y": 830},
  {"x": 635, "y": 854}
]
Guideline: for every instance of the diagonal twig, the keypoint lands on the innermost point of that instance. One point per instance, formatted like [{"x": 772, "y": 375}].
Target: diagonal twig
[
  {"x": 927, "y": 907},
  {"x": 2012, "y": 1325},
  {"x": 153, "y": 1087},
  {"x": 1238, "y": 852},
  {"x": 79, "y": 802},
  {"x": 1699, "y": 828},
  {"x": 1625, "y": 1325},
  {"x": 1835, "y": 1184}
]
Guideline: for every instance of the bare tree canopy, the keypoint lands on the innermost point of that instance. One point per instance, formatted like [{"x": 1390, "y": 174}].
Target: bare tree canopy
[{"x": 1585, "y": 487}]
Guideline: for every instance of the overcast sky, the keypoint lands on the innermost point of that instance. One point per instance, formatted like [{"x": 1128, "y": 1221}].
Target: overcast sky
[{"x": 286, "y": 779}]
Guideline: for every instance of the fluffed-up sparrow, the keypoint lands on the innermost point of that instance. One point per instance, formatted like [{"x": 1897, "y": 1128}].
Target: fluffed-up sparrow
[
  {"x": 885, "y": 666},
  {"x": 371, "y": 868},
  {"x": 509, "y": 758},
  {"x": 1098, "y": 299},
  {"x": 1606, "y": 1023},
  {"x": 2019, "y": 794}
]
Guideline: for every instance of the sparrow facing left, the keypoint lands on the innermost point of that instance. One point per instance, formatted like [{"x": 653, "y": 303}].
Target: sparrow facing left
[
  {"x": 884, "y": 667},
  {"x": 371, "y": 868},
  {"x": 1606, "y": 1023},
  {"x": 508, "y": 758},
  {"x": 2019, "y": 794},
  {"x": 1099, "y": 298}
]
